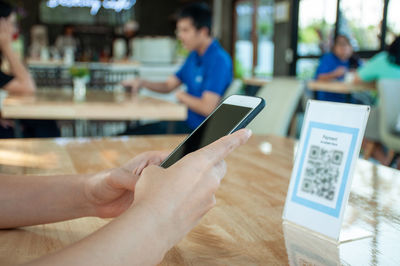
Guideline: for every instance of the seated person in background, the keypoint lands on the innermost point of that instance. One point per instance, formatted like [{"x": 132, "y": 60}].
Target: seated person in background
[
  {"x": 19, "y": 80},
  {"x": 207, "y": 71},
  {"x": 384, "y": 65},
  {"x": 157, "y": 207},
  {"x": 67, "y": 41},
  {"x": 334, "y": 65}
]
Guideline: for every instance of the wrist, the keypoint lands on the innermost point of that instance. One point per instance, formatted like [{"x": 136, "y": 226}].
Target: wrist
[
  {"x": 143, "y": 84},
  {"x": 156, "y": 225},
  {"x": 181, "y": 96},
  {"x": 85, "y": 202}
]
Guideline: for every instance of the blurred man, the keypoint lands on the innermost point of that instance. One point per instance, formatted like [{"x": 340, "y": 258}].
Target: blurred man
[
  {"x": 207, "y": 72},
  {"x": 334, "y": 65}
]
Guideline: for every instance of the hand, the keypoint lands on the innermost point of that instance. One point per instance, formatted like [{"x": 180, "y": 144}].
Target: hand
[
  {"x": 133, "y": 84},
  {"x": 180, "y": 95},
  {"x": 111, "y": 192},
  {"x": 340, "y": 71},
  {"x": 180, "y": 195},
  {"x": 6, "y": 31}
]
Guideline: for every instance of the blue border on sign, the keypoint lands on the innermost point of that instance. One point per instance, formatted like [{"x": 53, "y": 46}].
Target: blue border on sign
[{"x": 311, "y": 204}]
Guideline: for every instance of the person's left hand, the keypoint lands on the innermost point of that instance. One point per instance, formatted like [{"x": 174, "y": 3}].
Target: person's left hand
[
  {"x": 6, "y": 31},
  {"x": 111, "y": 192},
  {"x": 179, "y": 95}
]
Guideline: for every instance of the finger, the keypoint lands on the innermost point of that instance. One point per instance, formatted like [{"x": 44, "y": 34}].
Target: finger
[
  {"x": 218, "y": 150},
  {"x": 138, "y": 170},
  {"x": 121, "y": 179},
  {"x": 150, "y": 158},
  {"x": 159, "y": 157}
]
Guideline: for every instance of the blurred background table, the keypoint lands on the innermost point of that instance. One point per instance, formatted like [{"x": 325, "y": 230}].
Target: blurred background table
[
  {"x": 97, "y": 105},
  {"x": 244, "y": 228},
  {"x": 253, "y": 85},
  {"x": 339, "y": 87}
]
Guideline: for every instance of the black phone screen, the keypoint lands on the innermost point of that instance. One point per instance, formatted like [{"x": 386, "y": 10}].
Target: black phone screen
[{"x": 219, "y": 124}]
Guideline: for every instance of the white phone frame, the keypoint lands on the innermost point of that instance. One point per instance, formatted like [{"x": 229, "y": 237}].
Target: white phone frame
[
  {"x": 242, "y": 100},
  {"x": 238, "y": 100}
]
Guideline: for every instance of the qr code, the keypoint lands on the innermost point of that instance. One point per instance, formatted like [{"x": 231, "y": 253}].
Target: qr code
[{"x": 322, "y": 172}]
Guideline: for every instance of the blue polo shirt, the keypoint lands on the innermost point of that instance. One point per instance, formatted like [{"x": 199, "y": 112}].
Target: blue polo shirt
[
  {"x": 328, "y": 63},
  {"x": 211, "y": 72}
]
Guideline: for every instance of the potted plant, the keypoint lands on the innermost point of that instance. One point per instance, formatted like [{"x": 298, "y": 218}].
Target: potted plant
[{"x": 80, "y": 76}]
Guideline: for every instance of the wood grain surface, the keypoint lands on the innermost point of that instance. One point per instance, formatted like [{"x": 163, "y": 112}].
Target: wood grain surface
[
  {"x": 245, "y": 227},
  {"x": 98, "y": 105},
  {"x": 339, "y": 87}
]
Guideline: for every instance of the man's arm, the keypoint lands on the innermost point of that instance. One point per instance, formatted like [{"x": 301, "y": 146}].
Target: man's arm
[
  {"x": 216, "y": 80},
  {"x": 338, "y": 72},
  {"x": 162, "y": 87},
  {"x": 203, "y": 106}
]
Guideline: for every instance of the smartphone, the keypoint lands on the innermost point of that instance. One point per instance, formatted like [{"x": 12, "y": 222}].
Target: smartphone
[{"x": 234, "y": 113}]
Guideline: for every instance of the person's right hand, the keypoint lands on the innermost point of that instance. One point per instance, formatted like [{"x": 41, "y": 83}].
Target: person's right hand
[
  {"x": 133, "y": 84},
  {"x": 340, "y": 71},
  {"x": 180, "y": 195},
  {"x": 6, "y": 31}
]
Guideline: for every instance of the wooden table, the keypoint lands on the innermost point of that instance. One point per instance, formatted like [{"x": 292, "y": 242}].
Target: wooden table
[
  {"x": 253, "y": 85},
  {"x": 259, "y": 82},
  {"x": 339, "y": 87},
  {"x": 245, "y": 227},
  {"x": 98, "y": 105}
]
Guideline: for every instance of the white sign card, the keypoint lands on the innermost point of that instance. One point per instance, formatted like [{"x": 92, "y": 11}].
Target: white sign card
[{"x": 321, "y": 178}]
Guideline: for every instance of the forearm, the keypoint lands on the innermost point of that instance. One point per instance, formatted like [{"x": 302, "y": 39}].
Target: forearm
[
  {"x": 196, "y": 104},
  {"x": 327, "y": 76},
  {"x": 137, "y": 237},
  {"x": 30, "y": 200},
  {"x": 18, "y": 70},
  {"x": 161, "y": 87}
]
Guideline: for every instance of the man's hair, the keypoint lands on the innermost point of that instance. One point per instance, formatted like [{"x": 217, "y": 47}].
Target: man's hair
[
  {"x": 5, "y": 9},
  {"x": 394, "y": 51},
  {"x": 199, "y": 13}
]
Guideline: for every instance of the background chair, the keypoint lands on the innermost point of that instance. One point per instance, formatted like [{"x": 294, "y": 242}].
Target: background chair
[
  {"x": 234, "y": 88},
  {"x": 389, "y": 110},
  {"x": 282, "y": 96}
]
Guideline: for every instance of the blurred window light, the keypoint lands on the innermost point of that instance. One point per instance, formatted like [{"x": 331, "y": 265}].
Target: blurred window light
[{"x": 94, "y": 5}]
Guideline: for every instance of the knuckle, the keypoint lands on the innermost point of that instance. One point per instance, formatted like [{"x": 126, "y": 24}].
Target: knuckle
[
  {"x": 212, "y": 202},
  {"x": 214, "y": 183},
  {"x": 199, "y": 160},
  {"x": 223, "y": 167}
]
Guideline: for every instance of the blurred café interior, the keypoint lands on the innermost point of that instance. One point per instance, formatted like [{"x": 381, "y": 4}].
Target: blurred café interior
[{"x": 85, "y": 85}]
